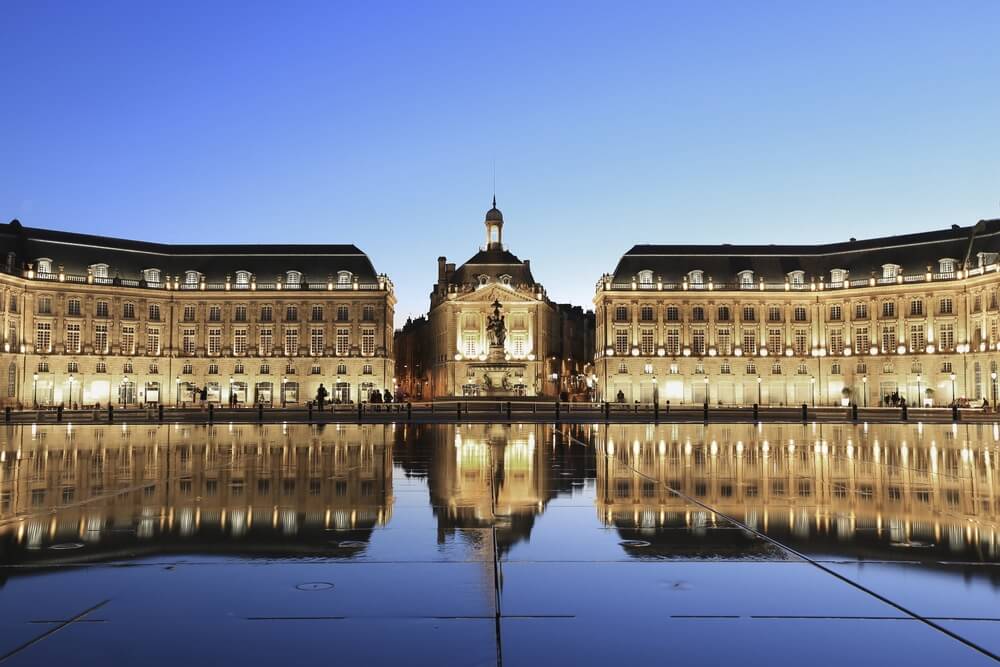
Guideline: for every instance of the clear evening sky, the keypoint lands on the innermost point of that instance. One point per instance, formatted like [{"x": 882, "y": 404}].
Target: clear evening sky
[{"x": 609, "y": 123}]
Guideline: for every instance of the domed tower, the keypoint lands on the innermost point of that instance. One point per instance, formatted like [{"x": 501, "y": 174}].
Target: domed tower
[{"x": 494, "y": 227}]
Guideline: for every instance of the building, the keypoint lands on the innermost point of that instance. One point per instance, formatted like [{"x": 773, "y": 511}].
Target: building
[
  {"x": 492, "y": 331},
  {"x": 913, "y": 316},
  {"x": 90, "y": 320}
]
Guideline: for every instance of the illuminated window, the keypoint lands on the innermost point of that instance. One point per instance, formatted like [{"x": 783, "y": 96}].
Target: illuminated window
[
  {"x": 153, "y": 340},
  {"x": 43, "y": 337},
  {"x": 265, "y": 341},
  {"x": 724, "y": 314},
  {"x": 316, "y": 341},
  {"x": 240, "y": 341},
  {"x": 697, "y": 314},
  {"x": 890, "y": 270},
  {"x": 242, "y": 278},
  {"x": 645, "y": 278},
  {"x": 291, "y": 341},
  {"x": 293, "y": 278},
  {"x": 73, "y": 338},
  {"x": 128, "y": 339},
  {"x": 745, "y": 279},
  {"x": 797, "y": 277},
  {"x": 44, "y": 266},
  {"x": 151, "y": 275},
  {"x": 99, "y": 270},
  {"x": 343, "y": 279},
  {"x": 367, "y": 342},
  {"x": 191, "y": 278}
]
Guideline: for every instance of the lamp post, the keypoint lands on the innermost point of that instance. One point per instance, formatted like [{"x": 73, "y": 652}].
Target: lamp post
[
  {"x": 232, "y": 399},
  {"x": 864, "y": 384},
  {"x": 656, "y": 391},
  {"x": 812, "y": 382},
  {"x": 993, "y": 377},
  {"x": 34, "y": 389},
  {"x": 283, "y": 381},
  {"x": 920, "y": 395},
  {"x": 123, "y": 398},
  {"x": 70, "y": 381},
  {"x": 706, "y": 391},
  {"x": 952, "y": 376},
  {"x": 759, "y": 399},
  {"x": 177, "y": 391}
]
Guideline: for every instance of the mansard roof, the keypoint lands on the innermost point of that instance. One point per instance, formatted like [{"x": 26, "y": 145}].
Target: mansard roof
[
  {"x": 912, "y": 252},
  {"x": 128, "y": 258},
  {"x": 494, "y": 262}
]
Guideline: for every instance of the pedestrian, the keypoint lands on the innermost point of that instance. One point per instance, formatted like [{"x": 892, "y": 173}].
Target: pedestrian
[
  {"x": 387, "y": 396},
  {"x": 986, "y": 406},
  {"x": 203, "y": 396},
  {"x": 321, "y": 395},
  {"x": 621, "y": 396}
]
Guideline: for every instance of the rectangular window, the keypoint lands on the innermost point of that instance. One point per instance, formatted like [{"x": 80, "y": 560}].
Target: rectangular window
[
  {"x": 917, "y": 341},
  {"x": 45, "y": 305},
  {"x": 673, "y": 314},
  {"x": 73, "y": 307},
  {"x": 517, "y": 342},
  {"x": 291, "y": 314},
  {"x": 775, "y": 341},
  {"x": 43, "y": 337},
  {"x": 861, "y": 342},
  {"x": 801, "y": 341},
  {"x": 836, "y": 342},
  {"x": 946, "y": 306},
  {"x": 154, "y": 312},
  {"x": 646, "y": 344},
  {"x": 240, "y": 313},
  {"x": 621, "y": 341},
  {"x": 215, "y": 313},
  {"x": 215, "y": 341},
  {"x": 153, "y": 340},
  {"x": 621, "y": 313},
  {"x": 101, "y": 338},
  {"x": 367, "y": 342},
  {"x": 749, "y": 314},
  {"x": 266, "y": 313},
  {"x": 835, "y": 313},
  {"x": 316, "y": 340},
  {"x": 291, "y": 341},
  {"x": 368, "y": 313},
  {"x": 266, "y": 341},
  {"x": 774, "y": 314},
  {"x": 343, "y": 342},
  {"x": 698, "y": 342},
  {"x": 888, "y": 309},
  {"x": 749, "y": 341},
  {"x": 888, "y": 339},
  {"x": 343, "y": 314},
  {"x": 861, "y": 311},
  {"x": 189, "y": 313},
  {"x": 470, "y": 344},
  {"x": 646, "y": 314},
  {"x": 317, "y": 313},
  {"x": 73, "y": 338},
  {"x": 725, "y": 342},
  {"x": 916, "y": 307},
  {"x": 946, "y": 336},
  {"x": 187, "y": 341},
  {"x": 800, "y": 313},
  {"x": 128, "y": 310},
  {"x": 128, "y": 340},
  {"x": 101, "y": 309},
  {"x": 240, "y": 341},
  {"x": 673, "y": 342}
]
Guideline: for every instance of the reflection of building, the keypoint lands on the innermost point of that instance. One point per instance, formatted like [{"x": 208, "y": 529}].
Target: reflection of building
[
  {"x": 89, "y": 319},
  {"x": 819, "y": 487},
  {"x": 456, "y": 355},
  {"x": 915, "y": 314},
  {"x": 484, "y": 475},
  {"x": 246, "y": 489}
]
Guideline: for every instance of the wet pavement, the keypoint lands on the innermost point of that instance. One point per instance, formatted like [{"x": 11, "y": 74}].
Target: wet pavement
[{"x": 481, "y": 544}]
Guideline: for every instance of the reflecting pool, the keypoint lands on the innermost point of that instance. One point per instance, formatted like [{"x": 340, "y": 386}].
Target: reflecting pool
[{"x": 495, "y": 544}]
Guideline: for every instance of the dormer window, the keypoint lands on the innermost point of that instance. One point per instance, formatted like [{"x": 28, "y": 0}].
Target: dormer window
[
  {"x": 838, "y": 275},
  {"x": 343, "y": 278},
  {"x": 293, "y": 277},
  {"x": 242, "y": 277},
  {"x": 151, "y": 275},
  {"x": 745, "y": 279},
  {"x": 890, "y": 270},
  {"x": 483, "y": 279},
  {"x": 797, "y": 277},
  {"x": 191, "y": 277},
  {"x": 646, "y": 278},
  {"x": 99, "y": 270},
  {"x": 505, "y": 280},
  {"x": 696, "y": 277},
  {"x": 947, "y": 265},
  {"x": 44, "y": 265}
]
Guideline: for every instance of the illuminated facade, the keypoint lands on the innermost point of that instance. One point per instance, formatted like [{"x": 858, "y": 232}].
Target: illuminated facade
[
  {"x": 458, "y": 352},
  {"x": 91, "y": 320},
  {"x": 857, "y": 322}
]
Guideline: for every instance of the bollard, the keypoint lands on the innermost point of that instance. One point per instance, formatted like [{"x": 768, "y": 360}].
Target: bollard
[
  {"x": 705, "y": 411},
  {"x": 59, "y": 410},
  {"x": 310, "y": 411},
  {"x": 6, "y": 414},
  {"x": 508, "y": 410},
  {"x": 756, "y": 412},
  {"x": 159, "y": 410},
  {"x": 805, "y": 412},
  {"x": 905, "y": 412},
  {"x": 667, "y": 411},
  {"x": 557, "y": 410},
  {"x": 211, "y": 412},
  {"x": 854, "y": 412},
  {"x": 111, "y": 413},
  {"x": 954, "y": 413}
]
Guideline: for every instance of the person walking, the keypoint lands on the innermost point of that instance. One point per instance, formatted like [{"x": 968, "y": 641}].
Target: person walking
[
  {"x": 321, "y": 395},
  {"x": 387, "y": 396},
  {"x": 621, "y": 396},
  {"x": 203, "y": 397}
]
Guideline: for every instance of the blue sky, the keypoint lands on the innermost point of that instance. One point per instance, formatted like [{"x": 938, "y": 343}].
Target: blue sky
[{"x": 610, "y": 124}]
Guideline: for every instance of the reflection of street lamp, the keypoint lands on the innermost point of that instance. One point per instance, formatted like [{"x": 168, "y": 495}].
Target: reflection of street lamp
[
  {"x": 283, "y": 381},
  {"x": 920, "y": 396},
  {"x": 70, "y": 380},
  {"x": 864, "y": 382},
  {"x": 759, "y": 399},
  {"x": 812, "y": 381},
  {"x": 124, "y": 392},
  {"x": 952, "y": 376},
  {"x": 34, "y": 387}
]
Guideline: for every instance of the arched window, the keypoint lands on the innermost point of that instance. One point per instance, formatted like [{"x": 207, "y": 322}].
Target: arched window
[
  {"x": 505, "y": 279},
  {"x": 191, "y": 277},
  {"x": 151, "y": 275},
  {"x": 483, "y": 279},
  {"x": 890, "y": 270},
  {"x": 696, "y": 277},
  {"x": 946, "y": 265},
  {"x": 745, "y": 279},
  {"x": 646, "y": 278},
  {"x": 724, "y": 314},
  {"x": 293, "y": 278},
  {"x": 697, "y": 314},
  {"x": 242, "y": 277},
  {"x": 343, "y": 278},
  {"x": 838, "y": 275},
  {"x": 99, "y": 270},
  {"x": 44, "y": 265},
  {"x": 797, "y": 277}
]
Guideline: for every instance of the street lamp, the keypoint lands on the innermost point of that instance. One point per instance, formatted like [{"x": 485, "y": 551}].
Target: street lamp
[
  {"x": 232, "y": 399},
  {"x": 952, "y": 376},
  {"x": 706, "y": 391},
  {"x": 920, "y": 395},
  {"x": 993, "y": 376},
  {"x": 864, "y": 383},
  {"x": 656, "y": 391},
  {"x": 177, "y": 391},
  {"x": 124, "y": 393},
  {"x": 34, "y": 387},
  {"x": 283, "y": 381},
  {"x": 759, "y": 399},
  {"x": 812, "y": 381},
  {"x": 70, "y": 380}
]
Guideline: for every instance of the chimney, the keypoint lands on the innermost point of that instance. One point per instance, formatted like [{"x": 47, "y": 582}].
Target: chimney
[{"x": 441, "y": 264}]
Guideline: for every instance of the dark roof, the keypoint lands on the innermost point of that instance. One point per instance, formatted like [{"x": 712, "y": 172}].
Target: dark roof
[
  {"x": 913, "y": 252},
  {"x": 127, "y": 258},
  {"x": 494, "y": 262}
]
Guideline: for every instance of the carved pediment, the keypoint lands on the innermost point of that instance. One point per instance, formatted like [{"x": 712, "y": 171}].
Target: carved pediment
[{"x": 493, "y": 292}]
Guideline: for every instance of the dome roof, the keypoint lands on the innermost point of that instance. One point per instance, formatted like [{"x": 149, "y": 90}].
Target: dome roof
[{"x": 494, "y": 214}]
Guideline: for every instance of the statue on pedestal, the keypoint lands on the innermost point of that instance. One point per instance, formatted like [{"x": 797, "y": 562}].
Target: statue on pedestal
[{"x": 496, "y": 329}]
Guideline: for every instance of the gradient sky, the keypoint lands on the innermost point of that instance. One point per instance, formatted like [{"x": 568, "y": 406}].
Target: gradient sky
[{"x": 610, "y": 124}]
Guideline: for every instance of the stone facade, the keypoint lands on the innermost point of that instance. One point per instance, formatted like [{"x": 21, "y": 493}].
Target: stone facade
[{"x": 75, "y": 335}]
